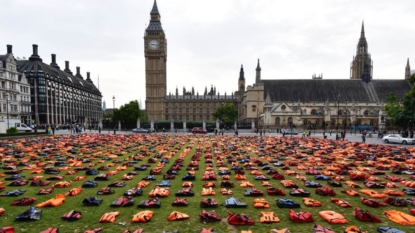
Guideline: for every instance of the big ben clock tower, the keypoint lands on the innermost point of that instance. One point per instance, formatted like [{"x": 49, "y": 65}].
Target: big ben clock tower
[{"x": 155, "y": 50}]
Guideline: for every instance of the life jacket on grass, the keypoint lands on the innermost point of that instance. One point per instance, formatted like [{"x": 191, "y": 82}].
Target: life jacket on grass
[
  {"x": 396, "y": 201},
  {"x": 268, "y": 217},
  {"x": 143, "y": 216},
  {"x": 365, "y": 216},
  {"x": 24, "y": 201},
  {"x": 151, "y": 203},
  {"x": 320, "y": 229},
  {"x": 311, "y": 202},
  {"x": 208, "y": 191},
  {"x": 275, "y": 191},
  {"x": 225, "y": 191},
  {"x": 57, "y": 201},
  {"x": 123, "y": 201},
  {"x": 74, "y": 191},
  {"x": 208, "y": 202},
  {"x": 299, "y": 217},
  {"x": 7, "y": 229},
  {"x": 400, "y": 217},
  {"x": 210, "y": 216},
  {"x": 239, "y": 219},
  {"x": 340, "y": 202},
  {"x": 353, "y": 229},
  {"x": 106, "y": 191},
  {"x": 284, "y": 230},
  {"x": 109, "y": 217},
  {"x": 176, "y": 215},
  {"x": 180, "y": 202},
  {"x": 210, "y": 230},
  {"x": 72, "y": 215},
  {"x": 333, "y": 217},
  {"x": 187, "y": 184},
  {"x": 50, "y": 230},
  {"x": 372, "y": 202},
  {"x": 261, "y": 203}
]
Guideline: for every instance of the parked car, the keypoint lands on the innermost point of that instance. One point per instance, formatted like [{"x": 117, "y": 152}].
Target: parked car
[
  {"x": 198, "y": 130},
  {"x": 290, "y": 132},
  {"x": 140, "y": 130},
  {"x": 396, "y": 138}
]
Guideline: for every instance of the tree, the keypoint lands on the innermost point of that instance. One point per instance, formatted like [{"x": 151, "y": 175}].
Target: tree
[
  {"x": 129, "y": 113},
  {"x": 401, "y": 113},
  {"x": 226, "y": 113}
]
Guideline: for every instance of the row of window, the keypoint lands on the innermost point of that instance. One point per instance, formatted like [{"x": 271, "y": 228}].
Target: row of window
[
  {"x": 189, "y": 118},
  {"x": 315, "y": 112},
  {"x": 180, "y": 110},
  {"x": 317, "y": 122}
]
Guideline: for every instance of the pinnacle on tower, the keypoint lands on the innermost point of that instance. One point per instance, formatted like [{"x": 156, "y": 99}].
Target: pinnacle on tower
[
  {"x": 268, "y": 99},
  {"x": 241, "y": 73},
  {"x": 258, "y": 67},
  {"x": 362, "y": 33},
  {"x": 155, "y": 9}
]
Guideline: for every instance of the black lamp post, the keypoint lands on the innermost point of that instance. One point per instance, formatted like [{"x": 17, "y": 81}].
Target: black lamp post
[
  {"x": 7, "y": 109},
  {"x": 113, "y": 111},
  {"x": 345, "y": 121},
  {"x": 338, "y": 114}
]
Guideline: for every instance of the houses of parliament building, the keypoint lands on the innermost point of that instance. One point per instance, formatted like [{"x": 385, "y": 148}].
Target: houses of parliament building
[{"x": 274, "y": 103}]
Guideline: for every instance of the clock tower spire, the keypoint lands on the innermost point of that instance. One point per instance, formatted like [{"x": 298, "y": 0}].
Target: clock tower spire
[{"x": 155, "y": 53}]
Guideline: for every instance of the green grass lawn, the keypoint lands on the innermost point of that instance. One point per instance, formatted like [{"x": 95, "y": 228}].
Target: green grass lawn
[{"x": 136, "y": 145}]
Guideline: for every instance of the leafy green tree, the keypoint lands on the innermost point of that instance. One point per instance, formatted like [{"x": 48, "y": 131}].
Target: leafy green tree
[
  {"x": 129, "y": 113},
  {"x": 226, "y": 113},
  {"x": 402, "y": 113}
]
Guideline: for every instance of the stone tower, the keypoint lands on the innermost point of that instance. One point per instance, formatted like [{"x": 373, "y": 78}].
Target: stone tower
[
  {"x": 258, "y": 74},
  {"x": 155, "y": 53},
  {"x": 241, "y": 82},
  {"x": 362, "y": 60},
  {"x": 407, "y": 70}
]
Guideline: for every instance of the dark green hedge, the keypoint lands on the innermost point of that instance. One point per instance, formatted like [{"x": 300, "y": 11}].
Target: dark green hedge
[{"x": 5, "y": 135}]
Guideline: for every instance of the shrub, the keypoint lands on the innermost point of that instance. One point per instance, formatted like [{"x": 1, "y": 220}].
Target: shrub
[{"x": 11, "y": 130}]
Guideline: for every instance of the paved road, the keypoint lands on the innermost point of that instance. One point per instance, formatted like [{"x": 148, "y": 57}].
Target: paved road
[{"x": 350, "y": 137}]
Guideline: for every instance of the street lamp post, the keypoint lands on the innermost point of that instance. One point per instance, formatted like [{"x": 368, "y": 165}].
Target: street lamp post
[
  {"x": 338, "y": 114},
  {"x": 7, "y": 109},
  {"x": 113, "y": 111}
]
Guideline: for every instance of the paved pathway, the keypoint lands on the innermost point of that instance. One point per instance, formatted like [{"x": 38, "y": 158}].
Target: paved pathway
[{"x": 350, "y": 137}]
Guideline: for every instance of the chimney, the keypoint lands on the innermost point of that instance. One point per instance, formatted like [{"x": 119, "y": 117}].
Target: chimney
[
  {"x": 54, "y": 62},
  {"x": 67, "y": 70},
  {"x": 9, "y": 49},
  {"x": 35, "y": 55},
  {"x": 88, "y": 77},
  {"x": 35, "y": 50},
  {"x": 78, "y": 72}
]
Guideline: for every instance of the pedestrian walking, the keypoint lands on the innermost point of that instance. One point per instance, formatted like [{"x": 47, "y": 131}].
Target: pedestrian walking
[{"x": 363, "y": 137}]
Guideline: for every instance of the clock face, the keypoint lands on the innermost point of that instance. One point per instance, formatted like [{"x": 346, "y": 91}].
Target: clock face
[{"x": 153, "y": 44}]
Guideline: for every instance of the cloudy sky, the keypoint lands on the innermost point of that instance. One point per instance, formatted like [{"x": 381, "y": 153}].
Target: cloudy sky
[{"x": 208, "y": 41}]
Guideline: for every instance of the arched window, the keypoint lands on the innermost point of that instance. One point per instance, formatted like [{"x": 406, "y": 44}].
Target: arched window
[
  {"x": 317, "y": 122},
  {"x": 366, "y": 113},
  {"x": 289, "y": 120},
  {"x": 313, "y": 112},
  {"x": 305, "y": 122},
  {"x": 283, "y": 107},
  {"x": 340, "y": 112},
  {"x": 372, "y": 122},
  {"x": 277, "y": 121}
]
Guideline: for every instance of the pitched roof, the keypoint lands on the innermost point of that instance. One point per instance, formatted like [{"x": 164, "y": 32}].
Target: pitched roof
[
  {"x": 37, "y": 67},
  {"x": 321, "y": 90}
]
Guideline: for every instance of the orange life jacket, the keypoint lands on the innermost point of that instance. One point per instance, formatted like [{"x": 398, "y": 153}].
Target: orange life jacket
[
  {"x": 268, "y": 217},
  {"x": 176, "y": 215}
]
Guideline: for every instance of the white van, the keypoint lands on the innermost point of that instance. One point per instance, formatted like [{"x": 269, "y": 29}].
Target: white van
[{"x": 22, "y": 127}]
